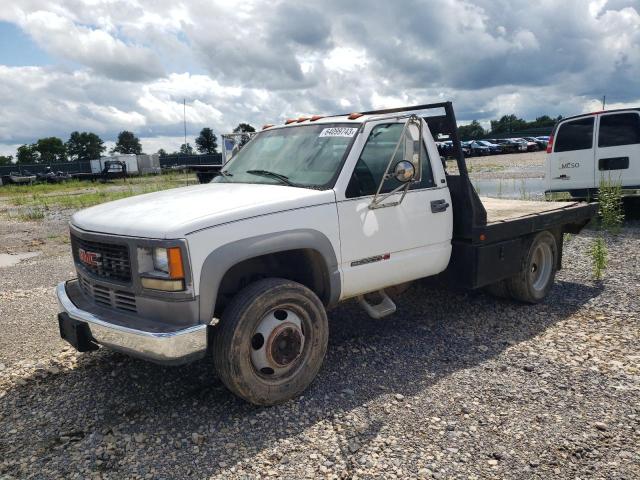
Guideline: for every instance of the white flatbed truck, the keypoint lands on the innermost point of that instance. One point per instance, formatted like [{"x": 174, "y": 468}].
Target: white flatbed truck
[{"x": 306, "y": 215}]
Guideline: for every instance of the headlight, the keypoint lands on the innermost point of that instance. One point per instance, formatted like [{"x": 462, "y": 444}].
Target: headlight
[
  {"x": 167, "y": 272},
  {"x": 161, "y": 260}
]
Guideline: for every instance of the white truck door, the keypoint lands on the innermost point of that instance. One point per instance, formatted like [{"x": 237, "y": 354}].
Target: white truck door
[
  {"x": 395, "y": 244},
  {"x": 571, "y": 165},
  {"x": 618, "y": 151}
]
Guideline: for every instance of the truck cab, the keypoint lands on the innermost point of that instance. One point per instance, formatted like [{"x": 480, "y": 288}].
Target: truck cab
[{"x": 306, "y": 215}]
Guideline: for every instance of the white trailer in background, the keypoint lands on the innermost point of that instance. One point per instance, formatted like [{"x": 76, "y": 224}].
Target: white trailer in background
[
  {"x": 129, "y": 160},
  {"x": 136, "y": 164},
  {"x": 149, "y": 164}
]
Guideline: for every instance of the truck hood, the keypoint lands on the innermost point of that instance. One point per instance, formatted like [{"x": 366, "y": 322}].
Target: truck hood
[{"x": 177, "y": 212}]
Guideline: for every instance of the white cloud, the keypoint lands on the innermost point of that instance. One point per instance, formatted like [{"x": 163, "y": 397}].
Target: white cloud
[{"x": 123, "y": 64}]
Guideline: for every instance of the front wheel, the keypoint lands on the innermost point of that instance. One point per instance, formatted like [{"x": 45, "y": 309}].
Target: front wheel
[
  {"x": 271, "y": 341},
  {"x": 533, "y": 283}
]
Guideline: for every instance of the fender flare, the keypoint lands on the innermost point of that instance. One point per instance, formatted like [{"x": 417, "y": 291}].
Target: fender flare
[{"x": 218, "y": 262}]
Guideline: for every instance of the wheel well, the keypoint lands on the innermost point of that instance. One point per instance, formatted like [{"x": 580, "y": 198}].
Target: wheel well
[{"x": 305, "y": 266}]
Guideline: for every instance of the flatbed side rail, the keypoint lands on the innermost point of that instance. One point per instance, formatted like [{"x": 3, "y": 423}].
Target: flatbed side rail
[{"x": 570, "y": 219}]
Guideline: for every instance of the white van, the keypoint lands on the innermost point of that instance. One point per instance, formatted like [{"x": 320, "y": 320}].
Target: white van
[{"x": 585, "y": 148}]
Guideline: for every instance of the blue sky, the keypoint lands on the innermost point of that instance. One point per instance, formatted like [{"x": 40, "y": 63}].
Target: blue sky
[
  {"x": 109, "y": 65},
  {"x": 18, "y": 50}
]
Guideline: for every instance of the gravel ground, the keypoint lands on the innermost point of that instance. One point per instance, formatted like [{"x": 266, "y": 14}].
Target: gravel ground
[
  {"x": 510, "y": 165},
  {"x": 454, "y": 385}
]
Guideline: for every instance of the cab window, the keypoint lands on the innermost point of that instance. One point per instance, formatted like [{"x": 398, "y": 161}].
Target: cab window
[
  {"x": 575, "y": 135},
  {"x": 374, "y": 160},
  {"x": 619, "y": 129}
]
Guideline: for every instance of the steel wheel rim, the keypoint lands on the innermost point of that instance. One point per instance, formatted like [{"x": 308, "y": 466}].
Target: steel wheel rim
[
  {"x": 541, "y": 266},
  {"x": 278, "y": 344}
]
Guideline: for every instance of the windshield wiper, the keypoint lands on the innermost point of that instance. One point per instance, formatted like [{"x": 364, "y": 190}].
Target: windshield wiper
[
  {"x": 226, "y": 173},
  {"x": 266, "y": 173}
]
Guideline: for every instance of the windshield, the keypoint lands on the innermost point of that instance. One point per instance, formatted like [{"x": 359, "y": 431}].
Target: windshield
[{"x": 305, "y": 156}]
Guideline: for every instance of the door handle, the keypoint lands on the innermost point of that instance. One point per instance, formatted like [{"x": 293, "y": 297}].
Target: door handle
[{"x": 439, "y": 205}]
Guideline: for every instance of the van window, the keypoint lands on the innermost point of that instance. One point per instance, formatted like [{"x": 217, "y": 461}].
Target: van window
[
  {"x": 575, "y": 135},
  {"x": 619, "y": 129}
]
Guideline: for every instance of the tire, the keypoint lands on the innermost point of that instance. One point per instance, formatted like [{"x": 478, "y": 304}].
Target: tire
[
  {"x": 498, "y": 289},
  {"x": 271, "y": 370},
  {"x": 533, "y": 283}
]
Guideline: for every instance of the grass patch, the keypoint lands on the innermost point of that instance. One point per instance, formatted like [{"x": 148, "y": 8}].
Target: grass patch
[
  {"x": 32, "y": 214},
  {"x": 76, "y": 194},
  {"x": 558, "y": 196},
  {"x": 610, "y": 210},
  {"x": 599, "y": 255}
]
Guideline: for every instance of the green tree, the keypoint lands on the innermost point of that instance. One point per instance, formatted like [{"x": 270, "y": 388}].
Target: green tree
[
  {"x": 6, "y": 160},
  {"x": 162, "y": 152},
  {"x": 51, "y": 149},
  {"x": 127, "y": 143},
  {"x": 186, "y": 149},
  {"x": 84, "y": 146},
  {"x": 207, "y": 142},
  {"x": 242, "y": 128},
  {"x": 27, "y": 154},
  {"x": 473, "y": 131},
  {"x": 508, "y": 124}
]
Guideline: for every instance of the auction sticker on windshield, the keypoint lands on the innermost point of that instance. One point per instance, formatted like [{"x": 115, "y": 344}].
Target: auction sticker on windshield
[{"x": 338, "y": 132}]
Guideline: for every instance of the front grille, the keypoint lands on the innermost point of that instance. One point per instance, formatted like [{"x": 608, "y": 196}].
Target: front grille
[
  {"x": 108, "y": 297},
  {"x": 113, "y": 259}
]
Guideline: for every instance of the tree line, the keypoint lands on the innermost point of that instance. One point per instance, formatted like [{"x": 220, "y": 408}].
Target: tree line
[
  {"x": 84, "y": 146},
  {"x": 506, "y": 124}
]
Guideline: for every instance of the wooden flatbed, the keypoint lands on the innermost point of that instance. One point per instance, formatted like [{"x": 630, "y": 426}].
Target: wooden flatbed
[{"x": 504, "y": 210}]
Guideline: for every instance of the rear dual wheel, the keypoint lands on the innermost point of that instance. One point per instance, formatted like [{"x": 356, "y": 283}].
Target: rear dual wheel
[
  {"x": 271, "y": 341},
  {"x": 533, "y": 283}
]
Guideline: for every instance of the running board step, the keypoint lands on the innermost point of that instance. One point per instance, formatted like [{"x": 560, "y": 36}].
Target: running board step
[{"x": 379, "y": 310}]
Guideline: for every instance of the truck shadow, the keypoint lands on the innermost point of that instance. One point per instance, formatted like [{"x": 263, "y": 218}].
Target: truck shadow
[{"x": 120, "y": 409}]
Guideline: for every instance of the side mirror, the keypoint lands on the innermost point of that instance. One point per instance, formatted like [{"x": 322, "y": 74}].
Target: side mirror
[{"x": 404, "y": 171}]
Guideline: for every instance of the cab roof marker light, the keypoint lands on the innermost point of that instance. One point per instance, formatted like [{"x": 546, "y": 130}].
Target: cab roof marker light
[
  {"x": 290, "y": 120},
  {"x": 268, "y": 125},
  {"x": 316, "y": 117},
  {"x": 354, "y": 115},
  {"x": 302, "y": 119}
]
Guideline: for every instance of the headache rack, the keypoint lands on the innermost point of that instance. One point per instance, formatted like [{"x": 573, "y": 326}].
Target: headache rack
[{"x": 468, "y": 211}]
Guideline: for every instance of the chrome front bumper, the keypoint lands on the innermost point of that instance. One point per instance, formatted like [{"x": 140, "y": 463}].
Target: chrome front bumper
[{"x": 176, "y": 347}]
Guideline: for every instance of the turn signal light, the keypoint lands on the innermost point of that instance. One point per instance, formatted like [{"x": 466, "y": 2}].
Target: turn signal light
[{"x": 176, "y": 270}]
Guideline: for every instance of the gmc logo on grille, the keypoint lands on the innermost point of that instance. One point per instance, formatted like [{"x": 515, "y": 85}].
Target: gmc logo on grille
[{"x": 89, "y": 258}]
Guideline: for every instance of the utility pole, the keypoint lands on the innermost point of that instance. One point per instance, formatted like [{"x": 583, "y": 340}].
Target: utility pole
[
  {"x": 184, "y": 117},
  {"x": 604, "y": 101}
]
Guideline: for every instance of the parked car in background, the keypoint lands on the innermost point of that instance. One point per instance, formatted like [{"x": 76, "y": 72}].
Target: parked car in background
[
  {"x": 508, "y": 145},
  {"x": 528, "y": 146},
  {"x": 543, "y": 142},
  {"x": 539, "y": 144},
  {"x": 477, "y": 149},
  {"x": 586, "y": 148},
  {"x": 494, "y": 148}
]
